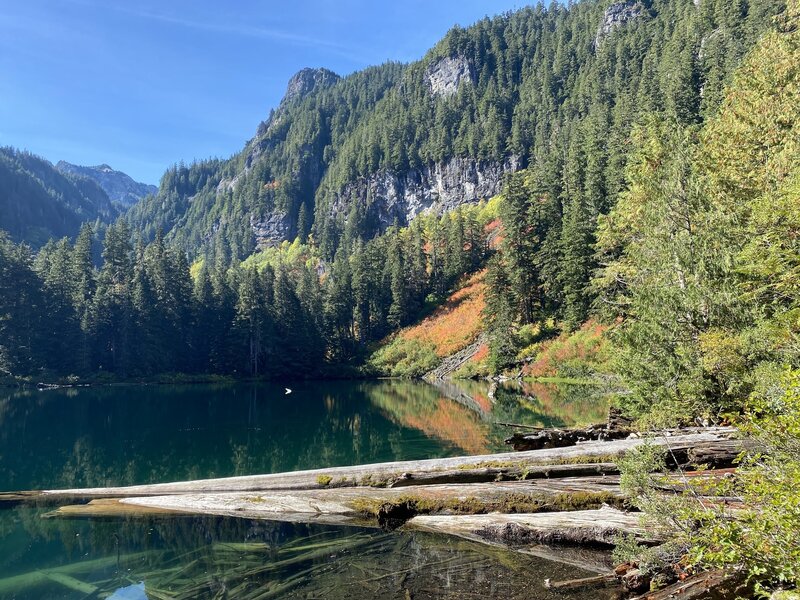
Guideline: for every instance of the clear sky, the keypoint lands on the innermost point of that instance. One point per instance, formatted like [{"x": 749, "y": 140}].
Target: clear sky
[{"x": 142, "y": 84}]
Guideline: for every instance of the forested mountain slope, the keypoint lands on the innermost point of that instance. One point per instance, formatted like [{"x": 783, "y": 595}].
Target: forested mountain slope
[
  {"x": 559, "y": 87},
  {"x": 38, "y": 202}
]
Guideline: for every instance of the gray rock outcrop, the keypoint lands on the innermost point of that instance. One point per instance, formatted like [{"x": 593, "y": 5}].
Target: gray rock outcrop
[
  {"x": 306, "y": 81},
  {"x": 271, "y": 229},
  {"x": 445, "y": 75},
  {"x": 438, "y": 187},
  {"x": 616, "y": 15}
]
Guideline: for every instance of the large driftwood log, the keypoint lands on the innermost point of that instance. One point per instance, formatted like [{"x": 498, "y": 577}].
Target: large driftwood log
[
  {"x": 387, "y": 507},
  {"x": 500, "y": 473},
  {"x": 586, "y": 527},
  {"x": 393, "y": 473}
]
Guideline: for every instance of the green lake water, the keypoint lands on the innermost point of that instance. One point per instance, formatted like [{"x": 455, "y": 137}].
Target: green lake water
[{"x": 121, "y": 435}]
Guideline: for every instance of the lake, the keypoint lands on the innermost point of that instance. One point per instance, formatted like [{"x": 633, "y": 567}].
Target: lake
[{"x": 120, "y": 435}]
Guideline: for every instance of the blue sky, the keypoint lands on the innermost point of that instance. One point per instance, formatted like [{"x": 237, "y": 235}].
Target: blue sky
[{"x": 140, "y": 84}]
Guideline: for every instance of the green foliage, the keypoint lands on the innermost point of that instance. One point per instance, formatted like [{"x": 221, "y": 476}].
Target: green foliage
[
  {"x": 404, "y": 358},
  {"x": 764, "y": 538},
  {"x": 282, "y": 311},
  {"x": 699, "y": 253},
  {"x": 582, "y": 354}
]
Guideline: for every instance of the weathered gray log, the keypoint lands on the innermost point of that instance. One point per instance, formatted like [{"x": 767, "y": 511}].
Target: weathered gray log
[
  {"x": 387, "y": 507},
  {"x": 387, "y": 474},
  {"x": 488, "y": 474},
  {"x": 719, "y": 454},
  {"x": 452, "y": 363},
  {"x": 572, "y": 584},
  {"x": 595, "y": 560},
  {"x": 586, "y": 527}
]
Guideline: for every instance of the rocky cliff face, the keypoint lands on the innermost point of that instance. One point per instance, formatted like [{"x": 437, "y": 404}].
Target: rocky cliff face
[
  {"x": 616, "y": 15},
  {"x": 120, "y": 187},
  {"x": 438, "y": 187},
  {"x": 272, "y": 229},
  {"x": 446, "y": 74}
]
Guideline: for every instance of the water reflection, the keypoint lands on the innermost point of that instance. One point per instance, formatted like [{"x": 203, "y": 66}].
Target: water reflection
[
  {"x": 202, "y": 557},
  {"x": 145, "y": 434}
]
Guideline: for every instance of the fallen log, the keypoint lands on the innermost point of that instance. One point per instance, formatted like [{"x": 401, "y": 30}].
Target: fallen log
[
  {"x": 14, "y": 584},
  {"x": 599, "y": 527},
  {"x": 720, "y": 454},
  {"x": 710, "y": 585},
  {"x": 386, "y": 507},
  {"x": 391, "y": 473},
  {"x": 572, "y": 584},
  {"x": 561, "y": 438},
  {"x": 488, "y": 474}
]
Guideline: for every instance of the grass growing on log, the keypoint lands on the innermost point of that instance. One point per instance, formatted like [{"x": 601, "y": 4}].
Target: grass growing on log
[
  {"x": 590, "y": 459},
  {"x": 507, "y": 503}
]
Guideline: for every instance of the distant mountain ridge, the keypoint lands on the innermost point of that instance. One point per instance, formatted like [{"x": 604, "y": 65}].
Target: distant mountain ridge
[
  {"x": 119, "y": 186},
  {"x": 39, "y": 202}
]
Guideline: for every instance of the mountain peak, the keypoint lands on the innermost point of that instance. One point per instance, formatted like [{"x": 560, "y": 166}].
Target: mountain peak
[
  {"x": 306, "y": 81},
  {"x": 119, "y": 186}
]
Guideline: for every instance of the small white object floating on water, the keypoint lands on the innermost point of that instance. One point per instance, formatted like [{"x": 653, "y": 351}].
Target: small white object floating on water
[{"x": 288, "y": 391}]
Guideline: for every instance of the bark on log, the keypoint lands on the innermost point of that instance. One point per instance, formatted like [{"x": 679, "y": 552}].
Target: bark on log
[
  {"x": 386, "y": 474},
  {"x": 489, "y": 474},
  {"x": 617, "y": 420}
]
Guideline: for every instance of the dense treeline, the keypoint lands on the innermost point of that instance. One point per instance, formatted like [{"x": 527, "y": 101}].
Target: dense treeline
[
  {"x": 38, "y": 202},
  {"x": 695, "y": 265},
  {"x": 281, "y": 313},
  {"x": 700, "y": 261},
  {"x": 577, "y": 168},
  {"x": 544, "y": 86},
  {"x": 553, "y": 89}
]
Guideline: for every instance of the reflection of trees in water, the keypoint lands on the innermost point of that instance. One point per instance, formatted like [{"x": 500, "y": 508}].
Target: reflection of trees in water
[
  {"x": 145, "y": 434},
  {"x": 551, "y": 404},
  {"x": 423, "y": 407}
]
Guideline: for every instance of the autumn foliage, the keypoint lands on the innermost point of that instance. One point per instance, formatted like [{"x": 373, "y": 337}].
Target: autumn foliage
[
  {"x": 570, "y": 354},
  {"x": 456, "y": 323}
]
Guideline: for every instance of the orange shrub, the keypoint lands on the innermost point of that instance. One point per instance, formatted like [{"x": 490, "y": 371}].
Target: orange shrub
[{"x": 456, "y": 323}]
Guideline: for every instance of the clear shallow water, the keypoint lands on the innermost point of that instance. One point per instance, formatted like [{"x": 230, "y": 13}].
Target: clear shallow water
[{"x": 146, "y": 434}]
